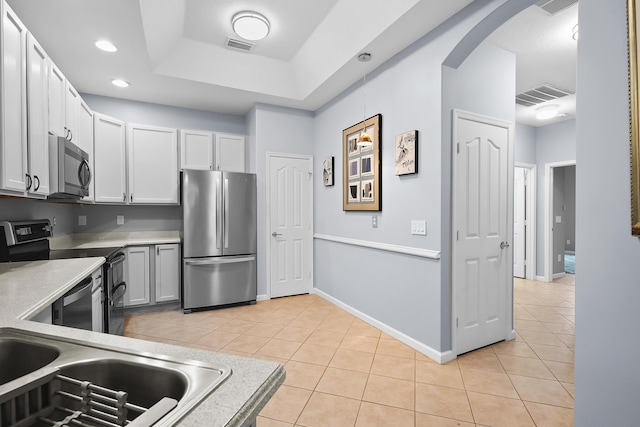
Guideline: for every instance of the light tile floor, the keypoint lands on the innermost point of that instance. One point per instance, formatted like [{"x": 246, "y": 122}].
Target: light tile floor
[{"x": 343, "y": 372}]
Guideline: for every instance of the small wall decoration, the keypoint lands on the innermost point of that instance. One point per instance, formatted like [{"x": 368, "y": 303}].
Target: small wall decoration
[
  {"x": 407, "y": 153},
  {"x": 633, "y": 26},
  {"x": 327, "y": 171},
  {"x": 362, "y": 167}
]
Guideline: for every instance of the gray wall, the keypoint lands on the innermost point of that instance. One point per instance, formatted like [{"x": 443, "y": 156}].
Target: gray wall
[
  {"x": 554, "y": 143},
  {"x": 570, "y": 208},
  {"x": 525, "y": 144},
  {"x": 607, "y": 372},
  {"x": 18, "y": 209},
  {"x": 558, "y": 212}
]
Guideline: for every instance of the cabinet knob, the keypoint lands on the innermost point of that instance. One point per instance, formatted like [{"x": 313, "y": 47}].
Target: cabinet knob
[
  {"x": 124, "y": 197},
  {"x": 131, "y": 198}
]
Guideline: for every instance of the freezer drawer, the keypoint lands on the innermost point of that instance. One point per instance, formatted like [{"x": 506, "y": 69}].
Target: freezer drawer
[{"x": 219, "y": 280}]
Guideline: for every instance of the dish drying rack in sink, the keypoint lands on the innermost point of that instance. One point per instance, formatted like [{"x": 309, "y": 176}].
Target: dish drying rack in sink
[{"x": 56, "y": 400}]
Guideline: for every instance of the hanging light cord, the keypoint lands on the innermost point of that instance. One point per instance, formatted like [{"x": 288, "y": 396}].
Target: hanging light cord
[{"x": 364, "y": 90}]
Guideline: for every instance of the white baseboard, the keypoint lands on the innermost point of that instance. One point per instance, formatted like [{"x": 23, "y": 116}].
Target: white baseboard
[
  {"x": 262, "y": 297},
  {"x": 541, "y": 279},
  {"x": 437, "y": 356},
  {"x": 570, "y": 252},
  {"x": 559, "y": 275}
]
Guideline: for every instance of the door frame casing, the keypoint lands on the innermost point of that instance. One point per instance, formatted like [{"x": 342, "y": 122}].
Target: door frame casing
[
  {"x": 548, "y": 217},
  {"x": 532, "y": 219},
  {"x": 267, "y": 234},
  {"x": 457, "y": 114}
]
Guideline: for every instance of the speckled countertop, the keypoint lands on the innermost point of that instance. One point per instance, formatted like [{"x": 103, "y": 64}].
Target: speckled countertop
[
  {"x": 113, "y": 239},
  {"x": 28, "y": 287}
]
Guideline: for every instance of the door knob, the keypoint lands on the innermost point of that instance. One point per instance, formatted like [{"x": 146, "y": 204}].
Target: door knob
[
  {"x": 274, "y": 234},
  {"x": 504, "y": 245}
]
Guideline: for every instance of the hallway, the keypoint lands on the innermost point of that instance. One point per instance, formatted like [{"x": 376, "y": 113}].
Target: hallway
[{"x": 343, "y": 372}]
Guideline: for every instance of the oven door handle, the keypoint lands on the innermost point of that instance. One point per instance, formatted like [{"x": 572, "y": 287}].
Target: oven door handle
[
  {"x": 116, "y": 294},
  {"x": 86, "y": 290},
  {"x": 116, "y": 260}
]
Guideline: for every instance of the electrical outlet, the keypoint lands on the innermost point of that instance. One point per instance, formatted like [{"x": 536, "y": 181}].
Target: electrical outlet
[
  {"x": 120, "y": 219},
  {"x": 53, "y": 221},
  {"x": 558, "y": 219},
  {"x": 82, "y": 220},
  {"x": 568, "y": 242},
  {"x": 419, "y": 227},
  {"x": 559, "y": 258},
  {"x": 374, "y": 221}
]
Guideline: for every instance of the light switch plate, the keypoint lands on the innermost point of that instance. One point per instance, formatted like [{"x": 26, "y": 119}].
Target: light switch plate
[
  {"x": 82, "y": 220},
  {"x": 558, "y": 219},
  {"x": 419, "y": 227},
  {"x": 120, "y": 219},
  {"x": 374, "y": 221}
]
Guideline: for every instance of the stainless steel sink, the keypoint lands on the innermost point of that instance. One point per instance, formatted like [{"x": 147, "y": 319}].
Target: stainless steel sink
[
  {"x": 74, "y": 375},
  {"x": 19, "y": 357}
]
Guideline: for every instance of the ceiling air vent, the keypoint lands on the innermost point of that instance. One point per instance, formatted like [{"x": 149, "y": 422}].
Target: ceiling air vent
[
  {"x": 554, "y": 6},
  {"x": 540, "y": 94},
  {"x": 238, "y": 44}
]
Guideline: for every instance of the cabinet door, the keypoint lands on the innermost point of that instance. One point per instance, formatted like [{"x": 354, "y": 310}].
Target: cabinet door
[
  {"x": 109, "y": 166},
  {"x": 153, "y": 164},
  {"x": 84, "y": 140},
  {"x": 230, "y": 153},
  {"x": 97, "y": 309},
  {"x": 13, "y": 92},
  {"x": 37, "y": 116},
  {"x": 71, "y": 102},
  {"x": 196, "y": 149},
  {"x": 136, "y": 276},
  {"x": 56, "y": 100},
  {"x": 167, "y": 272}
]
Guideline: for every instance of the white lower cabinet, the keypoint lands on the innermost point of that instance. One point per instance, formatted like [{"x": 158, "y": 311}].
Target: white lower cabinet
[
  {"x": 97, "y": 307},
  {"x": 152, "y": 274}
]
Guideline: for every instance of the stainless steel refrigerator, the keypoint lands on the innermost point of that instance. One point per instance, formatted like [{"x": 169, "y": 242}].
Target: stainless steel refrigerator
[{"x": 219, "y": 238}]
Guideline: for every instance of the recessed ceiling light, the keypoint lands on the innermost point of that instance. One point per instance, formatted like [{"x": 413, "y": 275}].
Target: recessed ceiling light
[
  {"x": 119, "y": 83},
  {"x": 106, "y": 45},
  {"x": 547, "y": 112},
  {"x": 250, "y": 25}
]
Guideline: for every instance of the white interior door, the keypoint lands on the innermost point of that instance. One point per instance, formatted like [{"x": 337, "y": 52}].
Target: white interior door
[
  {"x": 290, "y": 225},
  {"x": 519, "y": 222},
  {"x": 482, "y": 262}
]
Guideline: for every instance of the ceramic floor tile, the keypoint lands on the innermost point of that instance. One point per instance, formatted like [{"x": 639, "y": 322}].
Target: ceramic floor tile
[
  {"x": 499, "y": 411},
  {"x": 291, "y": 333},
  {"x": 218, "y": 338},
  {"x": 542, "y": 391},
  {"x": 395, "y": 367},
  {"x": 238, "y": 326},
  {"x": 361, "y": 328},
  {"x": 395, "y": 348},
  {"x": 335, "y": 324},
  {"x": 550, "y": 416},
  {"x": 481, "y": 360},
  {"x": 360, "y": 343},
  {"x": 360, "y": 361},
  {"x": 443, "y": 375},
  {"x": 286, "y": 404},
  {"x": 374, "y": 415},
  {"x": 488, "y": 382},
  {"x": 279, "y": 348},
  {"x": 316, "y": 354},
  {"x": 561, "y": 328},
  {"x": 278, "y": 318},
  {"x": 562, "y": 371},
  {"x": 569, "y": 387},
  {"x": 535, "y": 337},
  {"x": 247, "y": 343},
  {"x": 343, "y": 383},
  {"x": 568, "y": 340},
  {"x": 328, "y": 338},
  {"x": 514, "y": 348},
  {"x": 443, "y": 401},
  {"x": 530, "y": 325},
  {"x": 556, "y": 354},
  {"x": 326, "y": 410},
  {"x": 426, "y": 420},
  {"x": 303, "y": 375},
  {"x": 268, "y": 422},
  {"x": 525, "y": 366},
  {"x": 264, "y": 330},
  {"x": 390, "y": 391}
]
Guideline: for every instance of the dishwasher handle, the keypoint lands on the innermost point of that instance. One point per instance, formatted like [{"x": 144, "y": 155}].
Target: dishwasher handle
[
  {"x": 117, "y": 293},
  {"x": 118, "y": 259},
  {"x": 75, "y": 295},
  {"x": 222, "y": 260}
]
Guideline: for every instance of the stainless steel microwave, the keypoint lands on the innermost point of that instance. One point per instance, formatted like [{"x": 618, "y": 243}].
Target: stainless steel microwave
[{"x": 69, "y": 169}]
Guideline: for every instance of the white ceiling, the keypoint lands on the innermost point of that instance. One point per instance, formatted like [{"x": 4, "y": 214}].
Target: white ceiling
[{"x": 173, "y": 52}]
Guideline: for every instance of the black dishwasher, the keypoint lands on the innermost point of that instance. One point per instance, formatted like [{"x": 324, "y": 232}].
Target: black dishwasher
[{"x": 73, "y": 309}]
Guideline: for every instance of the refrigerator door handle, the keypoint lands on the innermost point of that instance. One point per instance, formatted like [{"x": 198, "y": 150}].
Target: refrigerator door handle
[
  {"x": 226, "y": 213},
  {"x": 220, "y": 261},
  {"x": 218, "y": 214}
]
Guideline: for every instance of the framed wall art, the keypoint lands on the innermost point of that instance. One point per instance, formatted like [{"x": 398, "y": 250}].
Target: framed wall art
[
  {"x": 407, "y": 153},
  {"x": 362, "y": 167},
  {"x": 327, "y": 171},
  {"x": 634, "y": 111}
]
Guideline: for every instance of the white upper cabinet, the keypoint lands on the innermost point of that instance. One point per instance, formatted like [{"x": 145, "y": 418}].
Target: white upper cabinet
[
  {"x": 109, "y": 169},
  {"x": 230, "y": 153},
  {"x": 196, "y": 149},
  {"x": 56, "y": 100},
  {"x": 71, "y": 106},
  {"x": 13, "y": 111},
  {"x": 37, "y": 118},
  {"x": 84, "y": 140},
  {"x": 153, "y": 164}
]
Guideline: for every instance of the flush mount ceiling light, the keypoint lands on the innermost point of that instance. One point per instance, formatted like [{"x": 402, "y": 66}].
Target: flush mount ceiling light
[
  {"x": 119, "y": 83},
  {"x": 250, "y": 25},
  {"x": 547, "y": 112},
  {"x": 365, "y": 139},
  {"x": 106, "y": 45}
]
